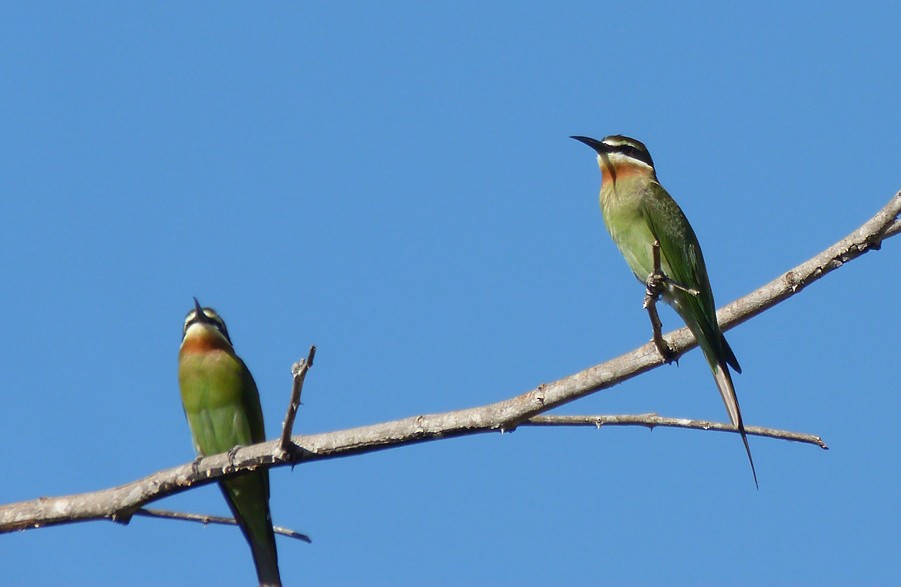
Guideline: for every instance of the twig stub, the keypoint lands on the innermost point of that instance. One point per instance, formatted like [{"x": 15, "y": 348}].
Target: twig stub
[
  {"x": 655, "y": 285},
  {"x": 299, "y": 371}
]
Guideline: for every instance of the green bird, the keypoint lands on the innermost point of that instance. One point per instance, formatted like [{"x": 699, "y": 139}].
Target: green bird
[
  {"x": 223, "y": 409},
  {"x": 637, "y": 212}
]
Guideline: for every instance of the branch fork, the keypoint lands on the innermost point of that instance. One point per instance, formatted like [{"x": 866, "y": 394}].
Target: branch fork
[
  {"x": 655, "y": 286},
  {"x": 119, "y": 503}
]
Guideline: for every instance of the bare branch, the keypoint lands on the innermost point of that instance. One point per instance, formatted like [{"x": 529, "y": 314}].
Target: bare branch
[
  {"x": 299, "y": 371},
  {"x": 653, "y": 420},
  {"x": 206, "y": 519},
  {"x": 868, "y": 237},
  {"x": 120, "y": 503},
  {"x": 892, "y": 230}
]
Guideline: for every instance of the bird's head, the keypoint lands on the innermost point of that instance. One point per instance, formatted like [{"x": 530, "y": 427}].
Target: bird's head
[
  {"x": 620, "y": 156},
  {"x": 205, "y": 328}
]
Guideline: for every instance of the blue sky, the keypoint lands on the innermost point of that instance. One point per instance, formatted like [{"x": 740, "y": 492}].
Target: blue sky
[{"x": 394, "y": 183}]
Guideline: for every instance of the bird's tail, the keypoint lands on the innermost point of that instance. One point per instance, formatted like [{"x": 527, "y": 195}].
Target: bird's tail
[
  {"x": 248, "y": 498},
  {"x": 727, "y": 391}
]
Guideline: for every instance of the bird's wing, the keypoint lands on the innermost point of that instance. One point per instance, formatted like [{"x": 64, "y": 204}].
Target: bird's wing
[
  {"x": 250, "y": 402},
  {"x": 682, "y": 261}
]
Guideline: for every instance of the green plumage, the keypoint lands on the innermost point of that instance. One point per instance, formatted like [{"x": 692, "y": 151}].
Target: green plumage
[
  {"x": 637, "y": 212},
  {"x": 223, "y": 409}
]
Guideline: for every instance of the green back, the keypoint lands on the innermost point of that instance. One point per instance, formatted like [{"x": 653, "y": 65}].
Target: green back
[
  {"x": 683, "y": 261},
  {"x": 638, "y": 211}
]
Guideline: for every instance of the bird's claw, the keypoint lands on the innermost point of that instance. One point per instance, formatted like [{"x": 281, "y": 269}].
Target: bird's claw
[
  {"x": 231, "y": 455},
  {"x": 654, "y": 286},
  {"x": 658, "y": 282}
]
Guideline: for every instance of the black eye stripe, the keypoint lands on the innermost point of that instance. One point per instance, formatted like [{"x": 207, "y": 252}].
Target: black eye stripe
[
  {"x": 221, "y": 326},
  {"x": 634, "y": 153}
]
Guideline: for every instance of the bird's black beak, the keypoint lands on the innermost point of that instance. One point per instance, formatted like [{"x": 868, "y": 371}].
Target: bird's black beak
[
  {"x": 595, "y": 144},
  {"x": 200, "y": 315}
]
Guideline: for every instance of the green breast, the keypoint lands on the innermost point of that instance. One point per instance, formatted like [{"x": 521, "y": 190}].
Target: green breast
[
  {"x": 214, "y": 393},
  {"x": 621, "y": 205}
]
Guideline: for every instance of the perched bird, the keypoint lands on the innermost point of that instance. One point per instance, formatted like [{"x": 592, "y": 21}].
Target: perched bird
[
  {"x": 637, "y": 212},
  {"x": 223, "y": 409}
]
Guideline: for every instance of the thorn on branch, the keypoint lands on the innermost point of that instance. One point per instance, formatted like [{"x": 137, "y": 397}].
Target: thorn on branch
[{"x": 43, "y": 512}]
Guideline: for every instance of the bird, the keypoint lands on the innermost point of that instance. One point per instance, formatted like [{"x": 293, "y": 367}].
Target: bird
[
  {"x": 638, "y": 212},
  {"x": 222, "y": 406}
]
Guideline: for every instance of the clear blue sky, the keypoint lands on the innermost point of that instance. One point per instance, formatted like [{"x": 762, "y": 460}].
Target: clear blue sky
[{"x": 394, "y": 182}]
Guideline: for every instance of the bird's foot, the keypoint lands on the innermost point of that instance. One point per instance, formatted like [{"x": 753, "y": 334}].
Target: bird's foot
[
  {"x": 195, "y": 465},
  {"x": 676, "y": 285},
  {"x": 654, "y": 286},
  {"x": 231, "y": 454}
]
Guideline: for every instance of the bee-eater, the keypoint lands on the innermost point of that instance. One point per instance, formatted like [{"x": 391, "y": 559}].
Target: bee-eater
[
  {"x": 638, "y": 212},
  {"x": 222, "y": 405}
]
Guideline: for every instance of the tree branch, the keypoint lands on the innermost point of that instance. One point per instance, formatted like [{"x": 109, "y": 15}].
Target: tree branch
[
  {"x": 868, "y": 237},
  {"x": 206, "y": 519},
  {"x": 654, "y": 287},
  {"x": 653, "y": 420},
  {"x": 120, "y": 503},
  {"x": 892, "y": 230},
  {"x": 299, "y": 371}
]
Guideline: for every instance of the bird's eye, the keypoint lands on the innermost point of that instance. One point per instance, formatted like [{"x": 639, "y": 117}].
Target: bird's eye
[
  {"x": 217, "y": 321},
  {"x": 636, "y": 153}
]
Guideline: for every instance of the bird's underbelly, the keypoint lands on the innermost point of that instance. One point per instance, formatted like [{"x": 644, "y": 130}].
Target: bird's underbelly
[
  {"x": 635, "y": 242},
  {"x": 211, "y": 380},
  {"x": 214, "y": 411},
  {"x": 217, "y": 430}
]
